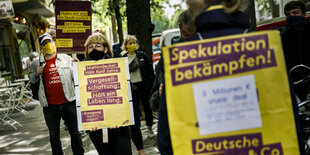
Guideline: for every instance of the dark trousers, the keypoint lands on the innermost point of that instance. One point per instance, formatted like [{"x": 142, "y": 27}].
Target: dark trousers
[
  {"x": 143, "y": 94},
  {"x": 135, "y": 131},
  {"x": 53, "y": 115},
  {"x": 119, "y": 141},
  {"x": 163, "y": 133}
]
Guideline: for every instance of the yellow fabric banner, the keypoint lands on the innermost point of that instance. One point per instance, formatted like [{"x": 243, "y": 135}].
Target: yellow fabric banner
[
  {"x": 230, "y": 96},
  {"x": 103, "y": 93}
]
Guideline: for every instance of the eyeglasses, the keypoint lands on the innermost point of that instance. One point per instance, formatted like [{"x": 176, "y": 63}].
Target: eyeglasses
[{"x": 91, "y": 46}]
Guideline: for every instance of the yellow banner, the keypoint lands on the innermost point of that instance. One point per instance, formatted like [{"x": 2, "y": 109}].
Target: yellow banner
[
  {"x": 230, "y": 95},
  {"x": 103, "y": 93}
]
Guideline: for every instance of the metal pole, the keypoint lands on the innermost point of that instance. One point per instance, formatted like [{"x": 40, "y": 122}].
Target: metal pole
[
  {"x": 251, "y": 13},
  {"x": 281, "y": 8}
]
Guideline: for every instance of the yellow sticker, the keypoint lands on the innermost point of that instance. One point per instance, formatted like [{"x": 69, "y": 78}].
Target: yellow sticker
[{"x": 64, "y": 43}]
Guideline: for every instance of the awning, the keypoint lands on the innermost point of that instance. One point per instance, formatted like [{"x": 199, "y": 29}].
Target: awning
[
  {"x": 34, "y": 7},
  {"x": 20, "y": 27}
]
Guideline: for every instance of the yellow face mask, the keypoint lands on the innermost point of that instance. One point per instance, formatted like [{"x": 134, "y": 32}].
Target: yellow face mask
[
  {"x": 48, "y": 48},
  {"x": 131, "y": 48}
]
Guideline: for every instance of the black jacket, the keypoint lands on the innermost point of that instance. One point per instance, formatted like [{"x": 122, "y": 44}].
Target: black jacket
[
  {"x": 297, "y": 51},
  {"x": 296, "y": 46},
  {"x": 146, "y": 69},
  {"x": 217, "y": 23}
]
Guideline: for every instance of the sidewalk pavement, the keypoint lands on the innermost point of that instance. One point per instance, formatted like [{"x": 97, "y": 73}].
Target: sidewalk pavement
[{"x": 33, "y": 137}]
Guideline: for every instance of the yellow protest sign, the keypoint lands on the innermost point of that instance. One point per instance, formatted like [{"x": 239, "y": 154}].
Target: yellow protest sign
[
  {"x": 103, "y": 93},
  {"x": 230, "y": 95}
]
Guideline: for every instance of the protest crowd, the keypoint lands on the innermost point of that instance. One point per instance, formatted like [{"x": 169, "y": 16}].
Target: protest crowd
[{"x": 121, "y": 102}]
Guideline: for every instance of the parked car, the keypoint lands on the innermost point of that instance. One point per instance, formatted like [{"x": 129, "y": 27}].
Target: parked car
[
  {"x": 156, "y": 51},
  {"x": 167, "y": 38},
  {"x": 155, "y": 47}
]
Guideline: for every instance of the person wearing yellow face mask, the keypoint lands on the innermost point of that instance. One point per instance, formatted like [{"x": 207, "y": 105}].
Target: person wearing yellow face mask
[
  {"x": 56, "y": 93},
  {"x": 49, "y": 48},
  {"x": 142, "y": 76}
]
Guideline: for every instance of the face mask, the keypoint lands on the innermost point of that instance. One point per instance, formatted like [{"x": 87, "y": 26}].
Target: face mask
[
  {"x": 131, "y": 48},
  {"x": 296, "y": 22},
  {"x": 48, "y": 48},
  {"x": 96, "y": 55}
]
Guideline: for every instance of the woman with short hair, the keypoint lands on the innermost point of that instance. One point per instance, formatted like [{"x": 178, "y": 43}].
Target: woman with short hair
[{"x": 97, "y": 47}]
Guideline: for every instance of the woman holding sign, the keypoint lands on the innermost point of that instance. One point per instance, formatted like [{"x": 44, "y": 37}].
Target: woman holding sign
[
  {"x": 97, "y": 47},
  {"x": 142, "y": 77}
]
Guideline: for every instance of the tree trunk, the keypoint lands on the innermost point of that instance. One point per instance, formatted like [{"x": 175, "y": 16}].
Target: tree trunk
[
  {"x": 274, "y": 8},
  {"x": 113, "y": 22},
  {"x": 251, "y": 13},
  {"x": 139, "y": 23},
  {"x": 119, "y": 21},
  {"x": 114, "y": 32}
]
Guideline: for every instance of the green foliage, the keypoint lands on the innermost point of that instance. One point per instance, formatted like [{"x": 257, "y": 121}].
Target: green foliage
[
  {"x": 175, "y": 18},
  {"x": 100, "y": 11},
  {"x": 25, "y": 73},
  {"x": 265, "y": 9},
  {"x": 8, "y": 78},
  {"x": 23, "y": 48},
  {"x": 1, "y": 81},
  {"x": 158, "y": 4},
  {"x": 160, "y": 20}
]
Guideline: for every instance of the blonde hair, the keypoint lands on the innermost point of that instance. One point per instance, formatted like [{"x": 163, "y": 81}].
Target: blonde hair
[
  {"x": 100, "y": 39},
  {"x": 197, "y": 6},
  {"x": 129, "y": 37}
]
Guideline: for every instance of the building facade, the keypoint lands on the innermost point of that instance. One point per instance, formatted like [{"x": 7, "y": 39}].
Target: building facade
[{"x": 18, "y": 34}]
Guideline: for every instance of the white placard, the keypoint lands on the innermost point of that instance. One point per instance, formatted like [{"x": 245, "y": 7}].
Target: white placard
[{"x": 227, "y": 105}]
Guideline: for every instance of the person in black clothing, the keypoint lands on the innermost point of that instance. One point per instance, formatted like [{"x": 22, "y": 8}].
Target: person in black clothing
[
  {"x": 187, "y": 30},
  {"x": 142, "y": 77},
  {"x": 97, "y": 47},
  {"x": 213, "y": 18},
  {"x": 295, "y": 41}
]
